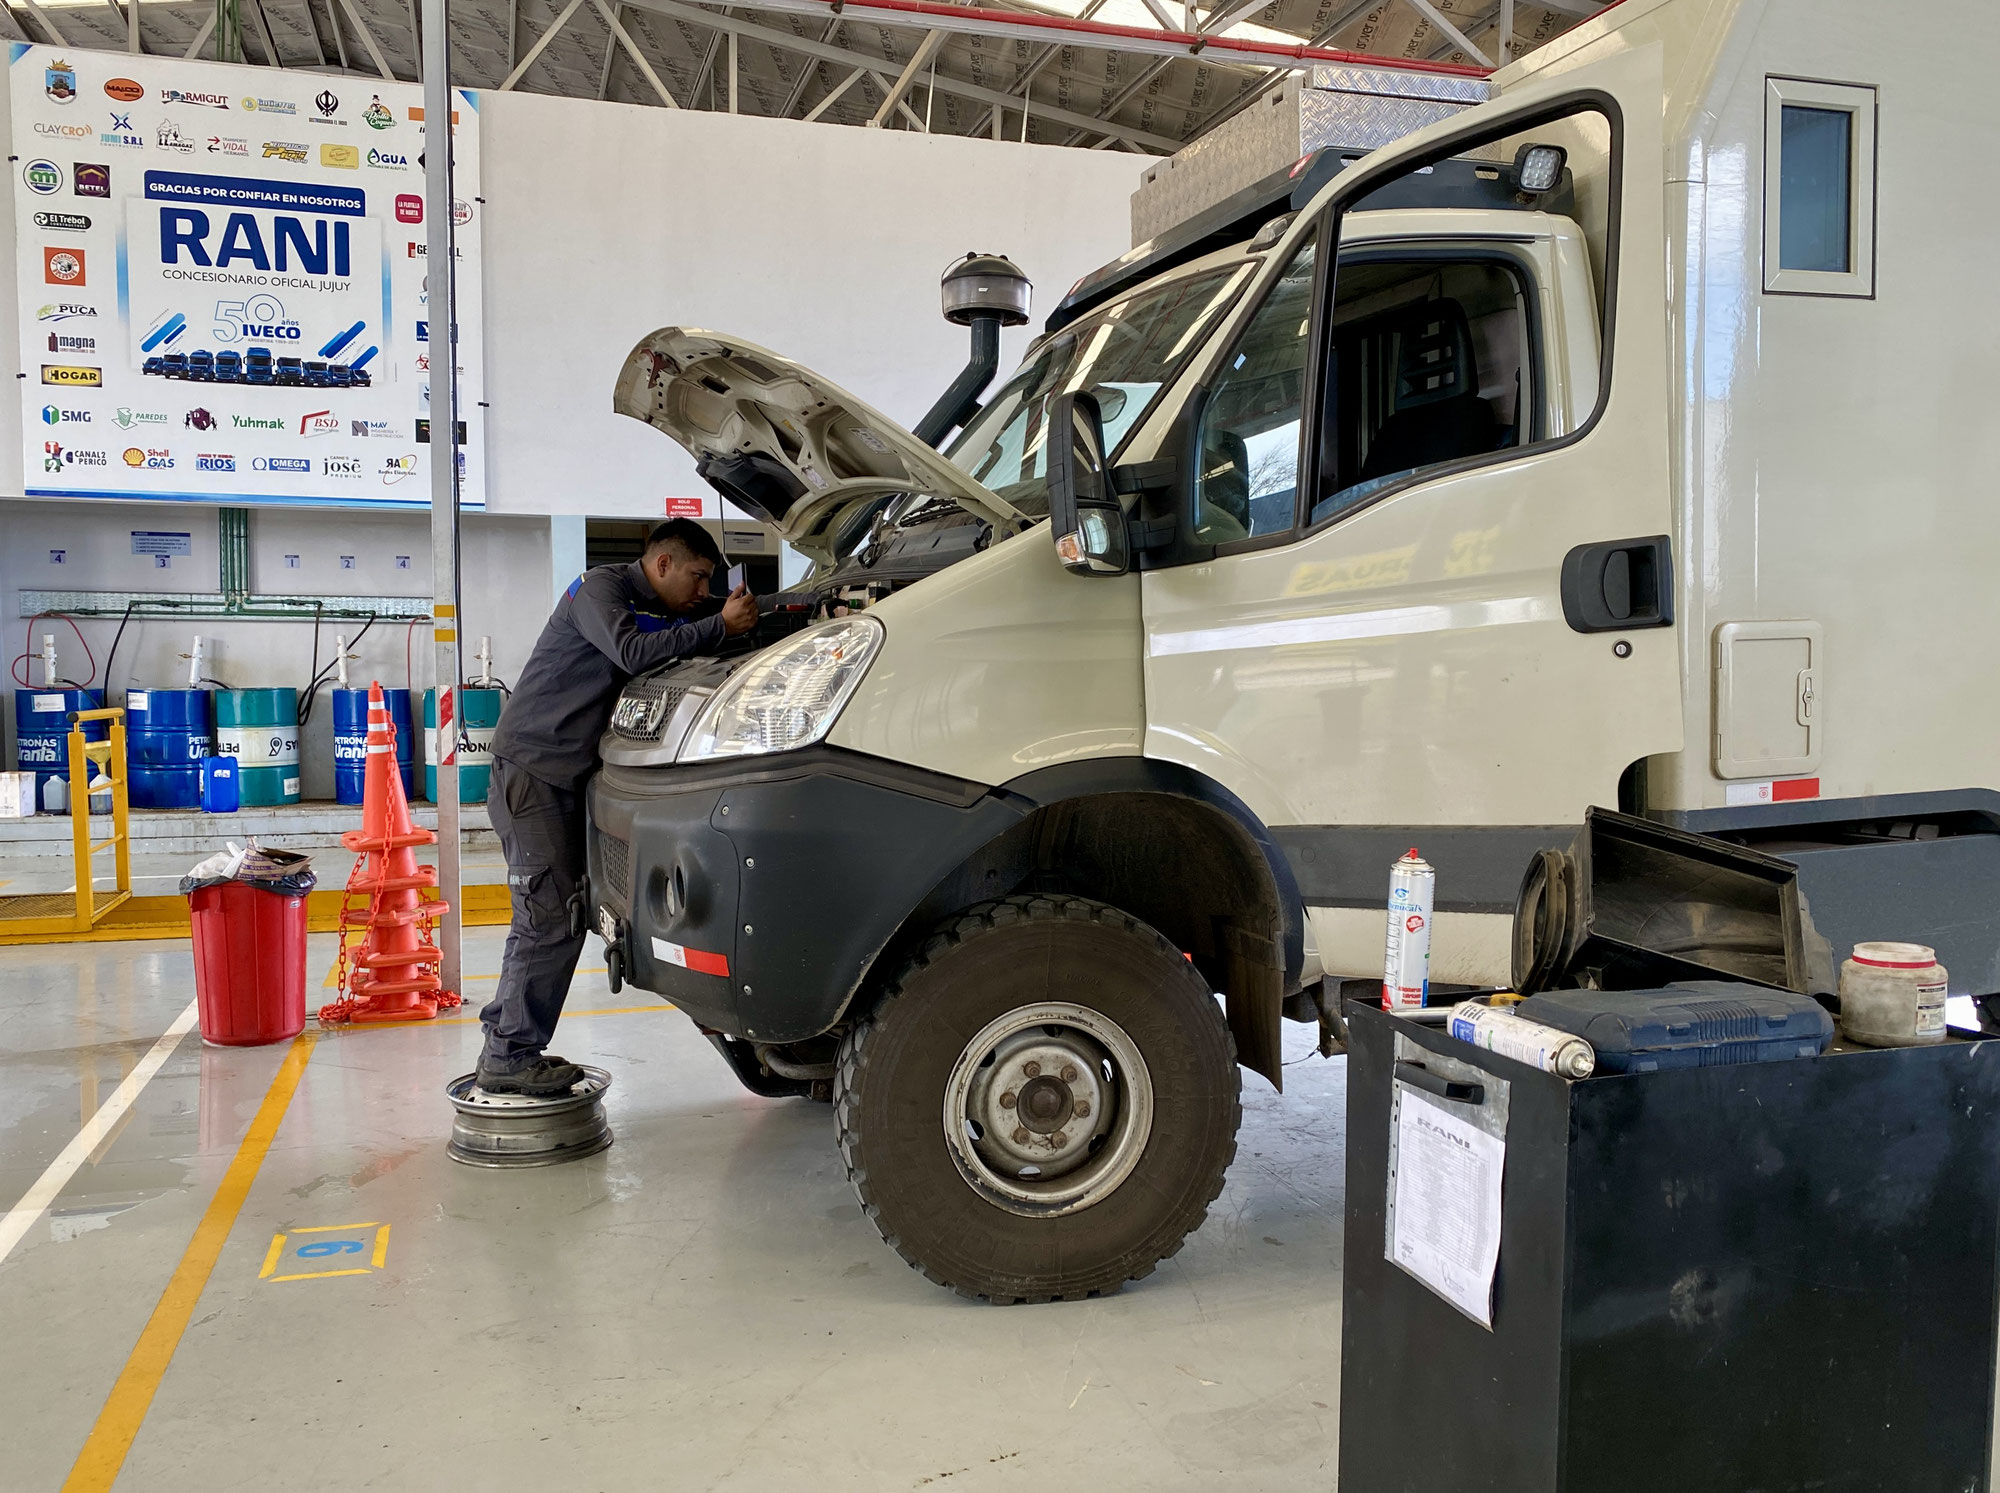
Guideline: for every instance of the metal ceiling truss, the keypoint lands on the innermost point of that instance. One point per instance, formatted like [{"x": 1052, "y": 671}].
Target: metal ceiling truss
[{"x": 1010, "y": 69}]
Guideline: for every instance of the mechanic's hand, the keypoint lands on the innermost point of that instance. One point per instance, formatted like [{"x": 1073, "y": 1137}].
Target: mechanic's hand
[{"x": 739, "y": 613}]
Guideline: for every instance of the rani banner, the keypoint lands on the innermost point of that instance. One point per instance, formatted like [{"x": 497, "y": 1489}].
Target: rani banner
[{"x": 221, "y": 277}]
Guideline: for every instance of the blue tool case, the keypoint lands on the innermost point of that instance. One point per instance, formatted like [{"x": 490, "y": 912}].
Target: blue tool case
[{"x": 1697, "y": 1024}]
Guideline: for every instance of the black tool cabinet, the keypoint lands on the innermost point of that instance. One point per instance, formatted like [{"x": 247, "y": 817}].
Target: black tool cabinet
[{"x": 1767, "y": 1278}]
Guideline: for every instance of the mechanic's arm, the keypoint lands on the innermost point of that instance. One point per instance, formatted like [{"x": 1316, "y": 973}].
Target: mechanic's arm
[{"x": 601, "y": 616}]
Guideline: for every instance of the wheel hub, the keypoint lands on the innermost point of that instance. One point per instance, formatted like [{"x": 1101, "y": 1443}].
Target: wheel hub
[{"x": 1048, "y": 1108}]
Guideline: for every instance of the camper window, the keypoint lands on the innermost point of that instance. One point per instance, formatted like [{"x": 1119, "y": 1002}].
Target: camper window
[{"x": 1819, "y": 188}]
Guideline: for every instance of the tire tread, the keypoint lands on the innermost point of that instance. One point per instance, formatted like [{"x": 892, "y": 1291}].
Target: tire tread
[{"x": 852, "y": 1066}]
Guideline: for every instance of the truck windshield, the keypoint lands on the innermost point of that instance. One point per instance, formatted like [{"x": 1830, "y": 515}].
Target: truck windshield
[{"x": 1124, "y": 355}]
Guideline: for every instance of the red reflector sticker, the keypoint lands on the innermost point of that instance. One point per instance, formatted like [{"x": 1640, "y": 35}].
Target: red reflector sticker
[
  {"x": 695, "y": 959},
  {"x": 1782, "y": 790}
]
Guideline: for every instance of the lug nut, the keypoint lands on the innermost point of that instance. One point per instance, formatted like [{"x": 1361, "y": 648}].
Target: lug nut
[
  {"x": 1069, "y": 1073},
  {"x": 1082, "y": 1108},
  {"x": 1020, "y": 1137},
  {"x": 1058, "y": 1140},
  {"x": 1033, "y": 1070},
  {"x": 1007, "y": 1100}
]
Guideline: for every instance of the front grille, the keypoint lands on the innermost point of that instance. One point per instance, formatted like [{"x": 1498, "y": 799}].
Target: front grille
[
  {"x": 616, "y": 858},
  {"x": 663, "y": 694}
]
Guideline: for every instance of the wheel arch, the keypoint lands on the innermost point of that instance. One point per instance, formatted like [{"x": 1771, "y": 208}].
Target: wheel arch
[{"x": 1105, "y": 829}]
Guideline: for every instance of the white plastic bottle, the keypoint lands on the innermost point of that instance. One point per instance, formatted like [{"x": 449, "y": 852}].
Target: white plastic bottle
[{"x": 1892, "y": 995}]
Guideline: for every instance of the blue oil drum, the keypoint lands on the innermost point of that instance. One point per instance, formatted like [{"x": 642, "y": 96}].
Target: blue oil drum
[
  {"x": 260, "y": 729},
  {"x": 350, "y": 741},
  {"x": 167, "y": 733},
  {"x": 41, "y": 731},
  {"x": 479, "y": 713}
]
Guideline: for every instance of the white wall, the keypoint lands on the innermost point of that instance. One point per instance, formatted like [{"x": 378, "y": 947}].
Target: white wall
[
  {"x": 607, "y": 221},
  {"x": 603, "y": 222}
]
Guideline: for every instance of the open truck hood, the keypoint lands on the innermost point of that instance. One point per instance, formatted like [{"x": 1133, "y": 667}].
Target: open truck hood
[{"x": 782, "y": 443}]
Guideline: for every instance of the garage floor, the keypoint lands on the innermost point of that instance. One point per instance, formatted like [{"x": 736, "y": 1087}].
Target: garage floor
[{"x": 702, "y": 1306}]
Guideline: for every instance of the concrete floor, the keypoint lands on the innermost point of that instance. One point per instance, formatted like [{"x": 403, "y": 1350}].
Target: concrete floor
[{"x": 701, "y": 1307}]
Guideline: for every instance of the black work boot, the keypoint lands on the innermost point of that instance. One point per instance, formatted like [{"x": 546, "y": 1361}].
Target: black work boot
[{"x": 545, "y": 1078}]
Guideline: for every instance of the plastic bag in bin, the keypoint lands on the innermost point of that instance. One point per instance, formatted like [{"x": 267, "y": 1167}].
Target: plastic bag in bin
[{"x": 284, "y": 871}]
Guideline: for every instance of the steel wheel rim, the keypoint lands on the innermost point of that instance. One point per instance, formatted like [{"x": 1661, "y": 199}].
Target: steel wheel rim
[{"x": 1048, "y": 1109}]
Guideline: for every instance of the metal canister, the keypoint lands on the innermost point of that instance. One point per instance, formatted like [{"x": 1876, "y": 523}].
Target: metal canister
[
  {"x": 1524, "y": 1041},
  {"x": 1406, "y": 967}
]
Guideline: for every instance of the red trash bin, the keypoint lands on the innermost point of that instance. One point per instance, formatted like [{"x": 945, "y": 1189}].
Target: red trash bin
[{"x": 249, "y": 963}]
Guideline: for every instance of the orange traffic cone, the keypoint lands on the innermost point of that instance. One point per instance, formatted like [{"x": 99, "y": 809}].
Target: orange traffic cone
[{"x": 393, "y": 973}]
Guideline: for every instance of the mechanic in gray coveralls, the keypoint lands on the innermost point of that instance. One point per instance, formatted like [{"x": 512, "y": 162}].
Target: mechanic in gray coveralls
[{"x": 613, "y": 622}]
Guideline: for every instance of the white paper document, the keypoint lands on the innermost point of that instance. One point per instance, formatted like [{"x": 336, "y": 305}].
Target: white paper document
[{"x": 1446, "y": 1226}]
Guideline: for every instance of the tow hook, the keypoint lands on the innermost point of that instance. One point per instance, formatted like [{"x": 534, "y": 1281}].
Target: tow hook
[{"x": 613, "y": 935}]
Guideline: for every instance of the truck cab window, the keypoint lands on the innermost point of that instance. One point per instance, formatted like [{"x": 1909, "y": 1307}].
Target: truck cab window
[
  {"x": 1248, "y": 478},
  {"x": 1124, "y": 355},
  {"x": 1430, "y": 360}
]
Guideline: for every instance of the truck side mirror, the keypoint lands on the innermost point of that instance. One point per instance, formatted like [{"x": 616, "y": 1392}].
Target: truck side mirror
[{"x": 1085, "y": 517}]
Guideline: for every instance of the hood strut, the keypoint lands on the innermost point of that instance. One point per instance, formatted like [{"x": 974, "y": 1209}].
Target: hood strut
[{"x": 960, "y": 400}]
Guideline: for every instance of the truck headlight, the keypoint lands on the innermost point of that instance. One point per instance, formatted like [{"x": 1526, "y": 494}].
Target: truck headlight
[{"x": 789, "y": 695}]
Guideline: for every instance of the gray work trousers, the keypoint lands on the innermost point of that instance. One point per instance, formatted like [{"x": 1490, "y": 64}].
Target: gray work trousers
[{"x": 541, "y": 829}]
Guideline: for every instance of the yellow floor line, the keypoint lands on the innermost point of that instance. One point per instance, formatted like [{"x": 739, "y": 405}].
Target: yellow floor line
[
  {"x": 360, "y": 1026},
  {"x": 118, "y": 1423},
  {"x": 333, "y": 969}
]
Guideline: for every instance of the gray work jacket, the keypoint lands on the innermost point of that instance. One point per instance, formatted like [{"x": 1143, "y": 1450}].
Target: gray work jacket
[{"x": 609, "y": 626}]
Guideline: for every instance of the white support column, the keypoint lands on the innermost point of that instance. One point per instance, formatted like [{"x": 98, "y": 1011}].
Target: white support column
[
  {"x": 441, "y": 280},
  {"x": 567, "y": 552},
  {"x": 735, "y": 71}
]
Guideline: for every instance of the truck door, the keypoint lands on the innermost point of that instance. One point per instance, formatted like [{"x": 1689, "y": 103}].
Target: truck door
[{"x": 1420, "y": 590}]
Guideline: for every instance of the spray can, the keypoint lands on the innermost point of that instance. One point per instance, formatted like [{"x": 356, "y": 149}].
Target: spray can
[
  {"x": 1524, "y": 1041},
  {"x": 1406, "y": 967}
]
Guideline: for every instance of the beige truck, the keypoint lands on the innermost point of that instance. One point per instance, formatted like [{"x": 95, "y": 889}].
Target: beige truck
[{"x": 1619, "y": 441}]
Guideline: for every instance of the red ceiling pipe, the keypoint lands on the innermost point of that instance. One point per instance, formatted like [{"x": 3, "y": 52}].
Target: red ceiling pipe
[{"x": 1248, "y": 50}]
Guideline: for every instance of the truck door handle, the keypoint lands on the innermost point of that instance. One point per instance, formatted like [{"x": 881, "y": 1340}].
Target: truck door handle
[{"x": 1619, "y": 584}]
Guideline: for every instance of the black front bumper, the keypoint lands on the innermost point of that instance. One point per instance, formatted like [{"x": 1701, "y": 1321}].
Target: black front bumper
[{"x": 755, "y": 895}]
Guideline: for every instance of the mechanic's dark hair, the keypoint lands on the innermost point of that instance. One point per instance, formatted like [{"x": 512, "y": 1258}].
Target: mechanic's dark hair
[{"x": 689, "y": 535}]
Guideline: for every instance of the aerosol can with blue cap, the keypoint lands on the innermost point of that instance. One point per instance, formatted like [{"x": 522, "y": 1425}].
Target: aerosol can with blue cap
[{"x": 1406, "y": 969}]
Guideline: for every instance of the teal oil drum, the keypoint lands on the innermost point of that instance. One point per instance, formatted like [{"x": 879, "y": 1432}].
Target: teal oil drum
[
  {"x": 260, "y": 729},
  {"x": 478, "y": 713}
]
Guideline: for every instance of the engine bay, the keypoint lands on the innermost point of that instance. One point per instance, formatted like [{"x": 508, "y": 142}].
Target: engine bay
[{"x": 899, "y": 543}]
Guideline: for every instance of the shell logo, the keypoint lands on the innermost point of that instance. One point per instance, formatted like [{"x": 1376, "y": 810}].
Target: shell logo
[{"x": 134, "y": 457}]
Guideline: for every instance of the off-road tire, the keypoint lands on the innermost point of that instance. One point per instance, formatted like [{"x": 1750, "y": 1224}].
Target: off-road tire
[{"x": 895, "y": 1064}]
